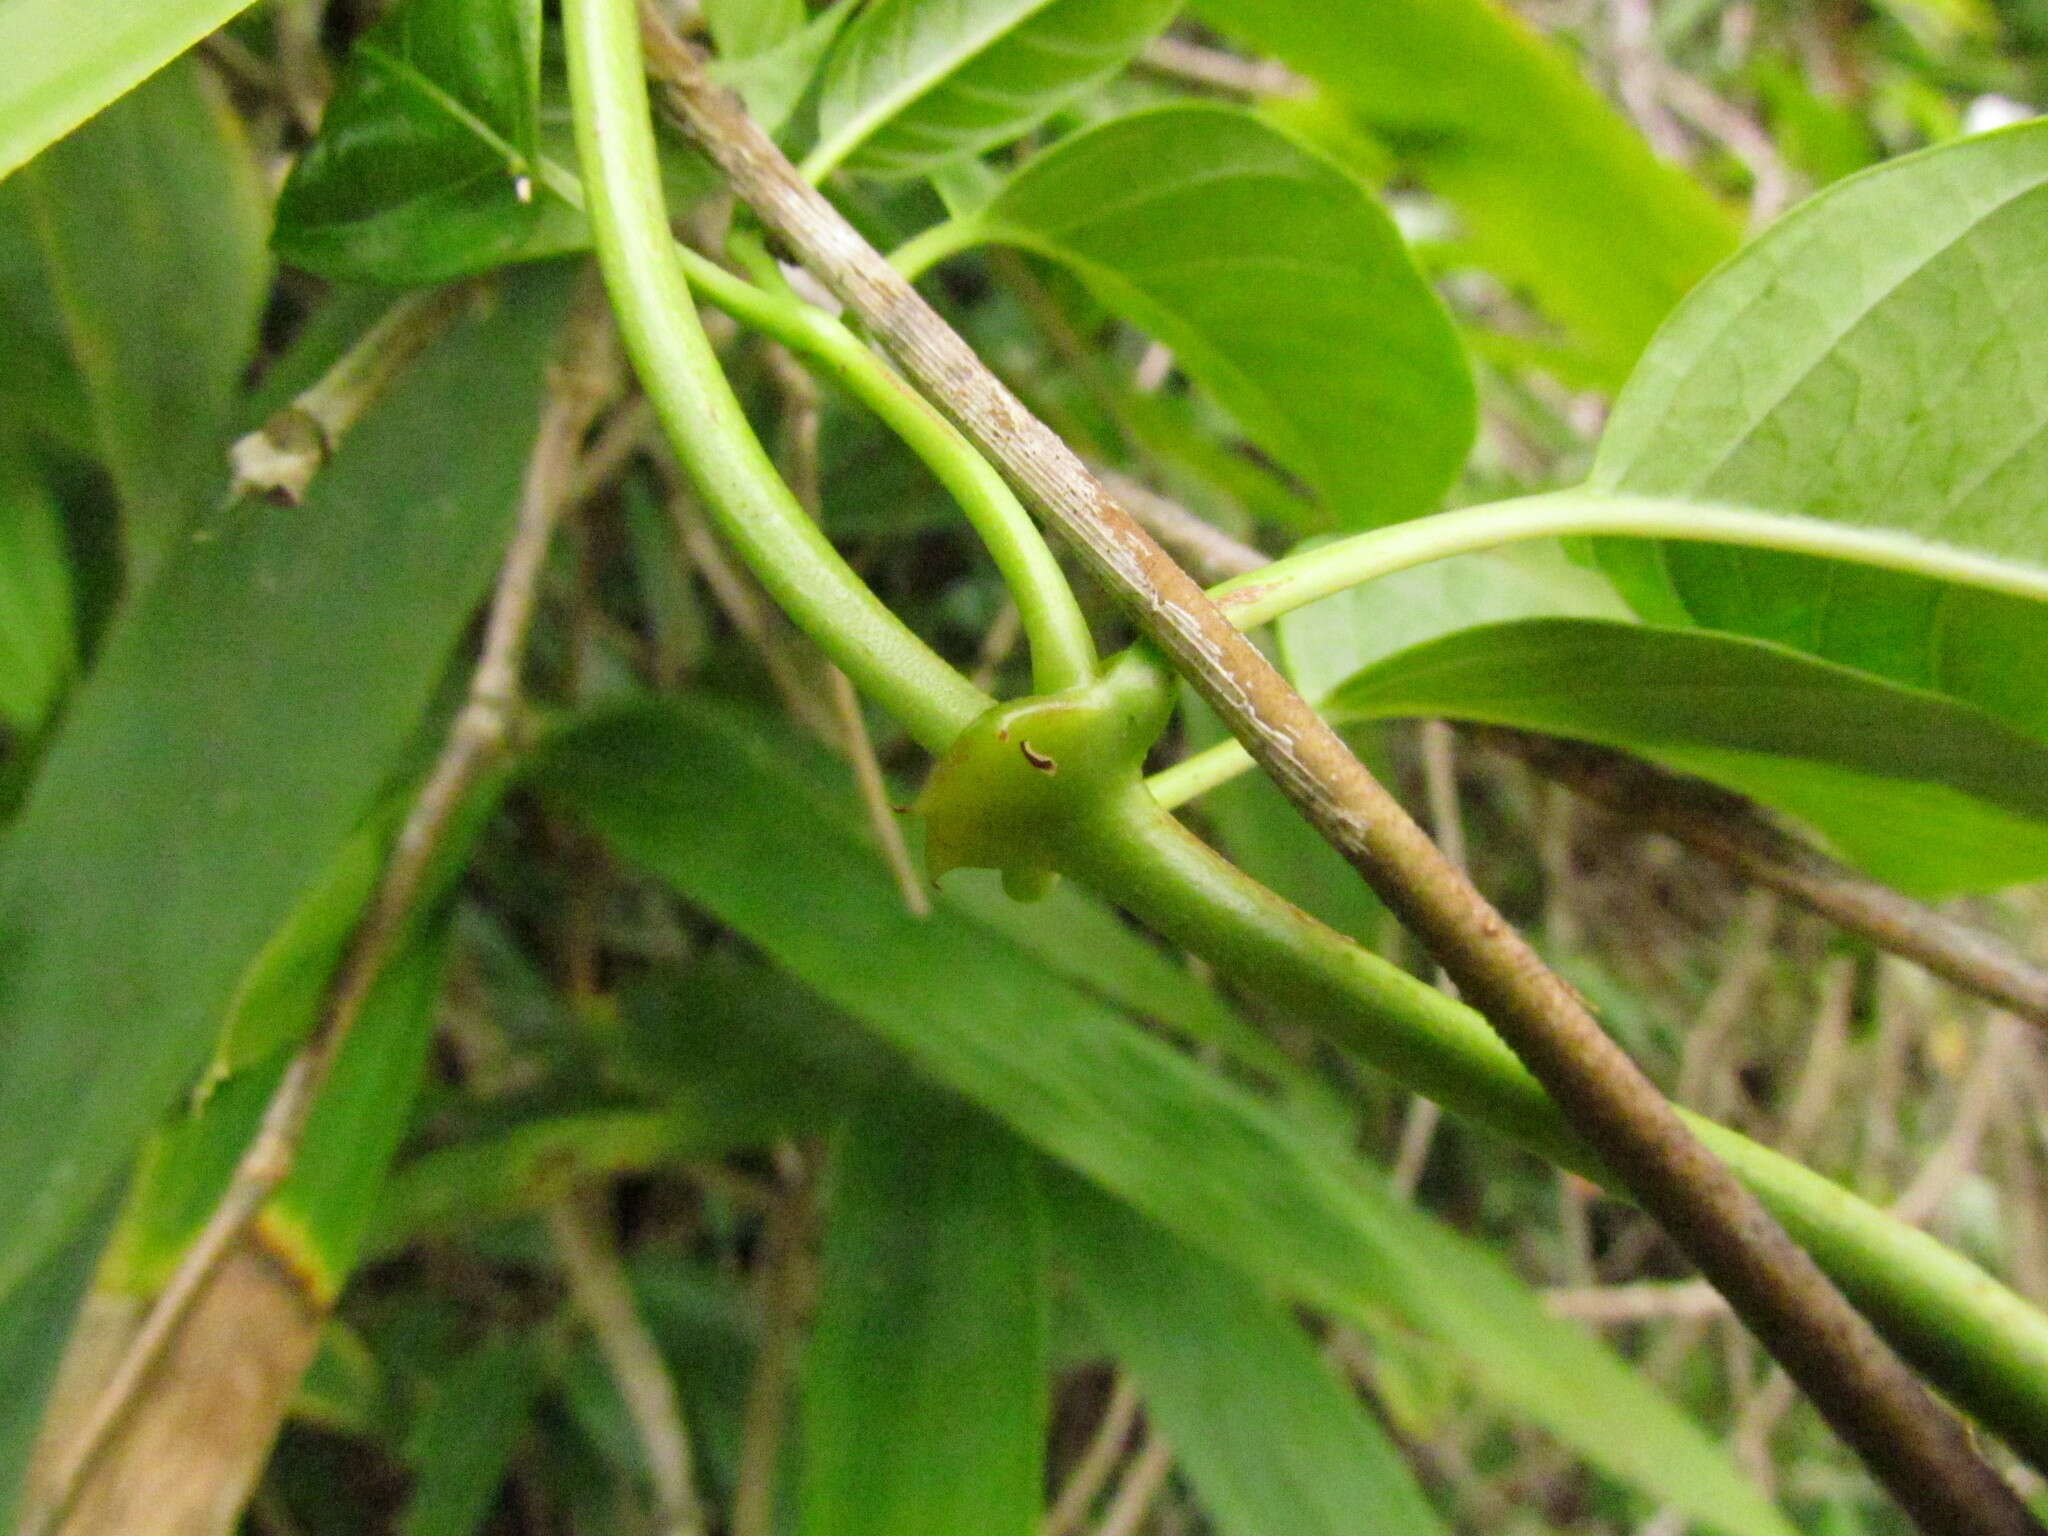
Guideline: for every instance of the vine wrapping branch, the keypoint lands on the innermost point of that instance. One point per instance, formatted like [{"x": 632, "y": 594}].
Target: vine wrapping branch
[
  {"x": 1918, "y": 1450},
  {"x": 579, "y": 383},
  {"x": 1711, "y": 821}
]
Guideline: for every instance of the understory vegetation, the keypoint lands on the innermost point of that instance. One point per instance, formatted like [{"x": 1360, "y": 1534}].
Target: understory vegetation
[{"x": 1023, "y": 767}]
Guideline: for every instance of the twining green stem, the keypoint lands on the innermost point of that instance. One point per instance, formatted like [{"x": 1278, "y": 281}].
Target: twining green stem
[
  {"x": 925, "y": 250},
  {"x": 1983, "y": 1345},
  {"x": 1295, "y": 581},
  {"x": 801, "y": 570},
  {"x": 1987, "y": 1348},
  {"x": 1194, "y": 776},
  {"x": 1300, "y": 579},
  {"x": 1062, "y": 649}
]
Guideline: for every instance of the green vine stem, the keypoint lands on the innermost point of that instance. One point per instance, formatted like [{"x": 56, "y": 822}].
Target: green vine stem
[
  {"x": 1982, "y": 1344},
  {"x": 1062, "y": 649},
  {"x": 1296, "y": 580},
  {"x": 658, "y": 320},
  {"x": 1987, "y": 1348}
]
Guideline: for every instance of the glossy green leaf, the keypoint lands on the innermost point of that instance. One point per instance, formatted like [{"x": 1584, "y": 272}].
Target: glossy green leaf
[
  {"x": 1732, "y": 709},
  {"x": 1878, "y": 357},
  {"x": 151, "y": 224},
  {"x": 38, "y": 643},
  {"x": 460, "y": 1447},
  {"x": 1552, "y": 186},
  {"x": 1279, "y": 283},
  {"x": 915, "y": 83},
  {"x": 1271, "y": 1442},
  {"x": 742, "y": 28},
  {"x": 243, "y": 715},
  {"x": 59, "y": 73},
  {"x": 925, "y": 1382},
  {"x": 703, "y": 801},
  {"x": 426, "y": 166}
]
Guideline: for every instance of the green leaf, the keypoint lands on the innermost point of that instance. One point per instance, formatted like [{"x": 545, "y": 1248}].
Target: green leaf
[
  {"x": 773, "y": 80},
  {"x": 1876, "y": 358},
  {"x": 242, "y": 718},
  {"x": 40, "y": 388},
  {"x": 427, "y": 164},
  {"x": 463, "y": 1442},
  {"x": 36, "y": 1321},
  {"x": 1733, "y": 709},
  {"x": 915, "y": 83},
  {"x": 38, "y": 644},
  {"x": 1279, "y": 283},
  {"x": 734, "y": 824},
  {"x": 1553, "y": 188},
  {"x": 1271, "y": 1442},
  {"x": 59, "y": 73},
  {"x": 742, "y": 28},
  {"x": 319, "y": 1215},
  {"x": 925, "y": 1382},
  {"x": 1328, "y": 642},
  {"x": 151, "y": 224}
]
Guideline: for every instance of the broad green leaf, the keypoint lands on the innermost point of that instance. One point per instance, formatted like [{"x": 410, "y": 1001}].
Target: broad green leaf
[
  {"x": 1326, "y": 643},
  {"x": 151, "y": 224},
  {"x": 1281, "y": 286},
  {"x": 1271, "y": 1442},
  {"x": 915, "y": 83},
  {"x": 38, "y": 644},
  {"x": 1553, "y": 187},
  {"x": 40, "y": 389},
  {"x": 59, "y": 72},
  {"x": 1076, "y": 936},
  {"x": 243, "y": 716},
  {"x": 742, "y": 28},
  {"x": 701, "y": 800},
  {"x": 773, "y": 80},
  {"x": 926, "y": 1382},
  {"x": 460, "y": 1447},
  {"x": 427, "y": 164},
  {"x": 1878, "y": 357},
  {"x": 1734, "y": 709},
  {"x": 320, "y": 1214}
]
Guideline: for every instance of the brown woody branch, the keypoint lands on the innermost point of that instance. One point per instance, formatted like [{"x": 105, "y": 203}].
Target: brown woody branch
[{"x": 1916, "y": 1448}]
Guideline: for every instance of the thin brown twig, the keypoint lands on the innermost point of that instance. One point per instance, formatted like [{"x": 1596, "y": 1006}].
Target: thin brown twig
[
  {"x": 480, "y": 733},
  {"x": 1914, "y": 1446},
  {"x": 1098, "y": 1459},
  {"x": 784, "y": 1281},
  {"x": 1614, "y": 1306},
  {"x": 597, "y": 1283},
  {"x": 1213, "y": 69},
  {"x": 801, "y": 420},
  {"x": 1142, "y": 1480},
  {"x": 1447, "y": 826},
  {"x": 1732, "y": 831}
]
